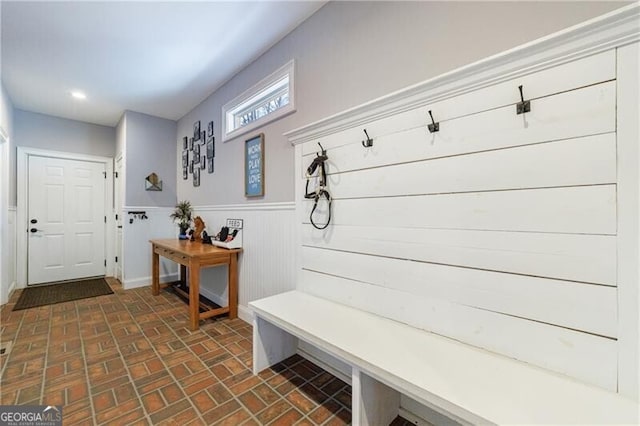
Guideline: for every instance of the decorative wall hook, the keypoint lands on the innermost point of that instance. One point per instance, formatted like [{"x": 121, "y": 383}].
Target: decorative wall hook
[
  {"x": 369, "y": 142},
  {"x": 140, "y": 215},
  {"x": 433, "y": 127},
  {"x": 522, "y": 106}
]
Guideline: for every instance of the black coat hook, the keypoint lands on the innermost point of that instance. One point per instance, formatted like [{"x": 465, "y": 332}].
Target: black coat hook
[
  {"x": 522, "y": 106},
  {"x": 433, "y": 127},
  {"x": 369, "y": 142}
]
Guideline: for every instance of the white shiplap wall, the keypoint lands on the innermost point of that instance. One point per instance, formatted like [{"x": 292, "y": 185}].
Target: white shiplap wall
[
  {"x": 499, "y": 231},
  {"x": 265, "y": 267}
]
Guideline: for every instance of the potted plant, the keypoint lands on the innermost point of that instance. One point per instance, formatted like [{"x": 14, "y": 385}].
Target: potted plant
[{"x": 182, "y": 216}]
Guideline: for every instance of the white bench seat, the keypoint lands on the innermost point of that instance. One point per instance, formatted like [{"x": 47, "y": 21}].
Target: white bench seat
[{"x": 389, "y": 358}]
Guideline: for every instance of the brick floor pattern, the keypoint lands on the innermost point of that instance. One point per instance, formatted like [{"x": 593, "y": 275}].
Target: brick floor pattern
[{"x": 130, "y": 359}]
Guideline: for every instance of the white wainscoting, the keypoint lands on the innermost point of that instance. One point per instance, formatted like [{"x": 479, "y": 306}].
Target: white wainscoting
[
  {"x": 266, "y": 265},
  {"x": 136, "y": 250},
  {"x": 9, "y": 263},
  {"x": 499, "y": 230}
]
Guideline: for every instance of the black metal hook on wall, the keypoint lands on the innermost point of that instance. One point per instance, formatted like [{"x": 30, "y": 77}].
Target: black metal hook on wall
[
  {"x": 369, "y": 142},
  {"x": 522, "y": 106},
  {"x": 433, "y": 127}
]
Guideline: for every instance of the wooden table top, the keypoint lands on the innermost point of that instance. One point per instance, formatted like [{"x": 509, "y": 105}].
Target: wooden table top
[{"x": 192, "y": 248}]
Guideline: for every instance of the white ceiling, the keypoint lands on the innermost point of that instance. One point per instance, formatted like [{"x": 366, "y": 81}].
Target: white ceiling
[{"x": 158, "y": 58}]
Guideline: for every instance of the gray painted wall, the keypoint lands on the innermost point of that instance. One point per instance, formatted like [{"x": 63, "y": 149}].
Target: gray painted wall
[
  {"x": 41, "y": 131},
  {"x": 60, "y": 134},
  {"x": 149, "y": 147},
  {"x": 6, "y": 111},
  {"x": 352, "y": 52},
  {"x": 6, "y": 122},
  {"x": 121, "y": 135}
]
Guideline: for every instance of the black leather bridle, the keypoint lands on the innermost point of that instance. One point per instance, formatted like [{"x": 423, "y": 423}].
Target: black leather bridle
[{"x": 318, "y": 163}]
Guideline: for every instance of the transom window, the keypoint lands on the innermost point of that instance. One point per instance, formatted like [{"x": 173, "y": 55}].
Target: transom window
[{"x": 266, "y": 101}]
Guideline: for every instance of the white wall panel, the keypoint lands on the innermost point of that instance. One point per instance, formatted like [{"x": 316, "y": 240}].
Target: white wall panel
[
  {"x": 580, "y": 306},
  {"x": 576, "y": 257},
  {"x": 533, "y": 166},
  {"x": 265, "y": 267},
  {"x": 10, "y": 262},
  {"x": 584, "y": 112},
  {"x": 576, "y": 354},
  {"x": 500, "y": 230},
  {"x": 584, "y": 209},
  {"x": 629, "y": 220}
]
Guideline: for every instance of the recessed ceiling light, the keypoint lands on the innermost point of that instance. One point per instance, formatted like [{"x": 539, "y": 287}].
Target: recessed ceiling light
[{"x": 78, "y": 95}]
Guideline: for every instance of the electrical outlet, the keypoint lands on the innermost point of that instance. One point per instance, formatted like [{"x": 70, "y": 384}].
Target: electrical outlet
[{"x": 234, "y": 223}]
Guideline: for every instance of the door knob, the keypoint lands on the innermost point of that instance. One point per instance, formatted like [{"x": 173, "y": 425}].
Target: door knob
[
  {"x": 33, "y": 230},
  {"x": 34, "y": 221}
]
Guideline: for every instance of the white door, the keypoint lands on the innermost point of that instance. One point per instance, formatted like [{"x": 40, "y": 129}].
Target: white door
[
  {"x": 117, "y": 187},
  {"x": 66, "y": 219}
]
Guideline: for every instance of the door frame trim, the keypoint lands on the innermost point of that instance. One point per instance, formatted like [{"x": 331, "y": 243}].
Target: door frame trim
[
  {"x": 5, "y": 237},
  {"x": 121, "y": 182},
  {"x": 22, "y": 168}
]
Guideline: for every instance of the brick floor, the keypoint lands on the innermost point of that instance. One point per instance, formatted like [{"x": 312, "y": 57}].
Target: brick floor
[{"x": 129, "y": 358}]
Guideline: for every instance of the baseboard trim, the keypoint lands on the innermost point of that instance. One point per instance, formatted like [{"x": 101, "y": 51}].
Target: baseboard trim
[
  {"x": 146, "y": 281},
  {"x": 245, "y": 314},
  {"x": 213, "y": 297}
]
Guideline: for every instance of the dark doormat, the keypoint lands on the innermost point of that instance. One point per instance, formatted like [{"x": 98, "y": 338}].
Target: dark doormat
[{"x": 58, "y": 293}]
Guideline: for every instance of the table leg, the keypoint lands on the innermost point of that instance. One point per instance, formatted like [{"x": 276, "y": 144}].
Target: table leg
[
  {"x": 183, "y": 274},
  {"x": 194, "y": 294},
  {"x": 155, "y": 272},
  {"x": 233, "y": 286}
]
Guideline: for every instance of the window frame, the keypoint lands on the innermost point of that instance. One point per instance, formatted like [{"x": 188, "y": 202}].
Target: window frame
[{"x": 239, "y": 103}]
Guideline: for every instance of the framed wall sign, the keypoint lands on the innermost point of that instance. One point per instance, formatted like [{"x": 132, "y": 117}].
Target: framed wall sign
[{"x": 254, "y": 166}]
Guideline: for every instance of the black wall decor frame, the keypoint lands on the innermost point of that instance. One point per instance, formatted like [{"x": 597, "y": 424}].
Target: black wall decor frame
[
  {"x": 211, "y": 147},
  {"x": 185, "y": 142},
  {"x": 210, "y": 129},
  {"x": 196, "y": 153},
  {"x": 196, "y": 131},
  {"x": 185, "y": 173},
  {"x": 190, "y": 146},
  {"x": 185, "y": 158},
  {"x": 196, "y": 176}
]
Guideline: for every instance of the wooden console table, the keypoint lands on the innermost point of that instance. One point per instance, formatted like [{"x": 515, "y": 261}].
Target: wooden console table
[{"x": 195, "y": 255}]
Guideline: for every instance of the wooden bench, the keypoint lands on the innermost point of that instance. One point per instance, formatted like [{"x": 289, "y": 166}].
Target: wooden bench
[{"x": 388, "y": 358}]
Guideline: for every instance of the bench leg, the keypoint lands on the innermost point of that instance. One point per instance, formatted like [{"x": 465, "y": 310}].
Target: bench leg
[
  {"x": 270, "y": 344},
  {"x": 373, "y": 403}
]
